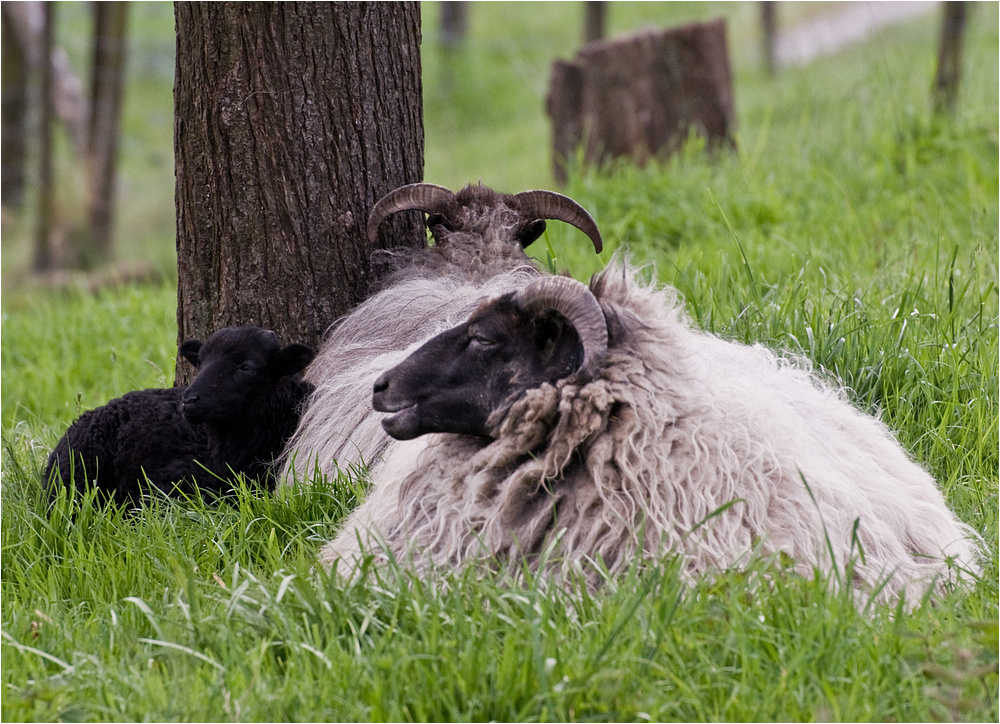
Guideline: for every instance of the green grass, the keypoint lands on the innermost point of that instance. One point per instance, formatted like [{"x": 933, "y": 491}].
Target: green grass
[
  {"x": 68, "y": 352},
  {"x": 850, "y": 227}
]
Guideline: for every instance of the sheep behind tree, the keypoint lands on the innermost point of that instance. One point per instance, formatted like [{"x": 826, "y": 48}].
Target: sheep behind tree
[{"x": 480, "y": 239}]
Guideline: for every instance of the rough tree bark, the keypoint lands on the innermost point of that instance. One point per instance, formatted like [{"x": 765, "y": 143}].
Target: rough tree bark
[
  {"x": 110, "y": 20},
  {"x": 291, "y": 119}
]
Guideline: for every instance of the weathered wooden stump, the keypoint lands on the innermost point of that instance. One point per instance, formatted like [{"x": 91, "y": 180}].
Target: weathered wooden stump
[{"x": 642, "y": 95}]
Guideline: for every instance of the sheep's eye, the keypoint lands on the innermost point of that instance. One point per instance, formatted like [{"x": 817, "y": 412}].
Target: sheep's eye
[
  {"x": 478, "y": 340},
  {"x": 246, "y": 368}
]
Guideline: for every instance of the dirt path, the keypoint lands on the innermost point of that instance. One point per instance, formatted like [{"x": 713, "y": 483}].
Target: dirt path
[{"x": 832, "y": 30}]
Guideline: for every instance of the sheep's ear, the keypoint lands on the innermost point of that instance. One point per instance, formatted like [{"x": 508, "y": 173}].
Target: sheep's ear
[
  {"x": 191, "y": 351},
  {"x": 557, "y": 344},
  {"x": 529, "y": 232},
  {"x": 292, "y": 359}
]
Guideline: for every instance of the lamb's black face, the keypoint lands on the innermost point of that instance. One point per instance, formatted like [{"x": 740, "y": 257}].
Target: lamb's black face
[
  {"x": 455, "y": 381},
  {"x": 236, "y": 368}
]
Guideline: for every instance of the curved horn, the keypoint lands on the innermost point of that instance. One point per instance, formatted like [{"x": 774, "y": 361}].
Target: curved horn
[
  {"x": 550, "y": 205},
  {"x": 425, "y": 197},
  {"x": 578, "y": 305}
]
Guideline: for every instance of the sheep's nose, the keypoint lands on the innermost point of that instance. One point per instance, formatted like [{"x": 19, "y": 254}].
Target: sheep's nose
[{"x": 381, "y": 384}]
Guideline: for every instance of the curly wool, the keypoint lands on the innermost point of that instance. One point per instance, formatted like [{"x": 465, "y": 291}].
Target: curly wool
[
  {"x": 683, "y": 442},
  {"x": 140, "y": 435}
]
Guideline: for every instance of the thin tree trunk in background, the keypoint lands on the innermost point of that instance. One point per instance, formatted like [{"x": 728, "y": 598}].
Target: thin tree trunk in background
[
  {"x": 26, "y": 21},
  {"x": 110, "y": 20},
  {"x": 949, "y": 60},
  {"x": 14, "y": 137},
  {"x": 291, "y": 120},
  {"x": 454, "y": 27},
  {"x": 769, "y": 33},
  {"x": 46, "y": 191},
  {"x": 454, "y": 23},
  {"x": 595, "y": 14}
]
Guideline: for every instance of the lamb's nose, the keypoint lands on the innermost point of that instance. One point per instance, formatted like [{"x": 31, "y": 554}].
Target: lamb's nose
[{"x": 381, "y": 384}]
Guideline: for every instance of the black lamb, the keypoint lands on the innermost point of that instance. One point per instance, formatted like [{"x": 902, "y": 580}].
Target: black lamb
[{"x": 235, "y": 418}]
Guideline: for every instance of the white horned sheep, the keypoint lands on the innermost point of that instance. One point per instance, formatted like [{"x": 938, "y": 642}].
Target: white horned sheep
[
  {"x": 597, "y": 424},
  {"x": 480, "y": 236},
  {"x": 234, "y": 418}
]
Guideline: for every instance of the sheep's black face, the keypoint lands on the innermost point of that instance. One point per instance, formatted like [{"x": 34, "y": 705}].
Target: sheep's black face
[
  {"x": 237, "y": 369},
  {"x": 455, "y": 381}
]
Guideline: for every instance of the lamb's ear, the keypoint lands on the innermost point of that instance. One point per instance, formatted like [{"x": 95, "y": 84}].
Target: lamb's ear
[
  {"x": 191, "y": 351},
  {"x": 292, "y": 359}
]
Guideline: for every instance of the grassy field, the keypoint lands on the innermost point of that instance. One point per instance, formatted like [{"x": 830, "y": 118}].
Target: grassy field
[{"x": 850, "y": 227}]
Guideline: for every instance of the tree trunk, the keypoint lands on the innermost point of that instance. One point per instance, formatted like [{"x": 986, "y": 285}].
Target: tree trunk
[
  {"x": 454, "y": 23},
  {"x": 26, "y": 21},
  {"x": 594, "y": 20},
  {"x": 14, "y": 139},
  {"x": 46, "y": 185},
  {"x": 769, "y": 34},
  {"x": 949, "y": 60},
  {"x": 105, "y": 115},
  {"x": 291, "y": 119}
]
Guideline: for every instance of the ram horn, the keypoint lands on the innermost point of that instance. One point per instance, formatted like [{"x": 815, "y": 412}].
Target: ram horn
[
  {"x": 425, "y": 197},
  {"x": 550, "y": 205},
  {"x": 574, "y": 301}
]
